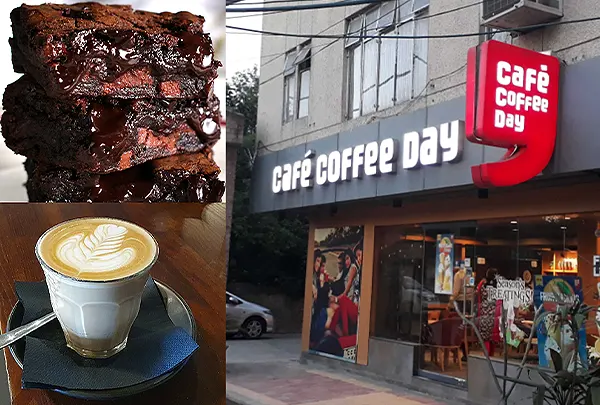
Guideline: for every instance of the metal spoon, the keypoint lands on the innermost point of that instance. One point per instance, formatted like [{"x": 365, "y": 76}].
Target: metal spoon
[{"x": 9, "y": 338}]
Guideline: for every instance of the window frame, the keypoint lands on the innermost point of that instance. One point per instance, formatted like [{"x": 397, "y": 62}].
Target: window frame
[
  {"x": 303, "y": 66},
  {"x": 292, "y": 71},
  {"x": 490, "y": 33},
  {"x": 351, "y": 45}
]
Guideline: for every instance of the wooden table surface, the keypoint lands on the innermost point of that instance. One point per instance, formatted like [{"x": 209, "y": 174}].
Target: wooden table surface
[{"x": 191, "y": 238}]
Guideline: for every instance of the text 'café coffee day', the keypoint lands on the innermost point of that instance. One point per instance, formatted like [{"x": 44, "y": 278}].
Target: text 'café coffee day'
[
  {"x": 434, "y": 145},
  {"x": 521, "y": 78},
  {"x": 512, "y": 103}
]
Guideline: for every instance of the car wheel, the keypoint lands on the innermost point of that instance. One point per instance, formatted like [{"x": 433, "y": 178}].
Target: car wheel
[{"x": 253, "y": 328}]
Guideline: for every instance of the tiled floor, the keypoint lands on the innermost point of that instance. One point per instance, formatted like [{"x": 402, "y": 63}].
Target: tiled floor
[{"x": 289, "y": 384}]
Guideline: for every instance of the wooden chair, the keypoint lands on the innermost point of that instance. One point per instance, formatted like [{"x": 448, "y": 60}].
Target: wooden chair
[
  {"x": 434, "y": 316},
  {"x": 447, "y": 335}
]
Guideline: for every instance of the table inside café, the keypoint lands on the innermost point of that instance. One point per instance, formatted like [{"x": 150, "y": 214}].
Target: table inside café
[{"x": 191, "y": 239}]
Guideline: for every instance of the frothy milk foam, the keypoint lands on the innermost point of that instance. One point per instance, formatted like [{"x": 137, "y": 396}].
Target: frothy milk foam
[{"x": 97, "y": 249}]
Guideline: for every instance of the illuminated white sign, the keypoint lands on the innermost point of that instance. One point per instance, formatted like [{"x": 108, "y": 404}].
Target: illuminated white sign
[
  {"x": 530, "y": 81},
  {"x": 433, "y": 146}
]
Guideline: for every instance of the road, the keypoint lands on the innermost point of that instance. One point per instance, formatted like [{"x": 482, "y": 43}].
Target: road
[{"x": 275, "y": 348}]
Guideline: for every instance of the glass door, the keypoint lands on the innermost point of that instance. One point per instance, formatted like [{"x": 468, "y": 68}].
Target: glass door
[
  {"x": 399, "y": 295},
  {"x": 448, "y": 258}
]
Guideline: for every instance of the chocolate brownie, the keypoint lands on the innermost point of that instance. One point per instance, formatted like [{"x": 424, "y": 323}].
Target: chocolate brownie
[
  {"x": 90, "y": 49},
  {"x": 105, "y": 134},
  {"x": 182, "y": 178}
]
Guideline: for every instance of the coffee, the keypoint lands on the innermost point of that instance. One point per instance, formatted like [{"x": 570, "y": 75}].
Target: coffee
[
  {"x": 96, "y": 269},
  {"x": 97, "y": 249}
]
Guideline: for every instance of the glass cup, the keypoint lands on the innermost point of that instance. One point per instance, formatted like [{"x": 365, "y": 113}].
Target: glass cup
[{"x": 96, "y": 315}]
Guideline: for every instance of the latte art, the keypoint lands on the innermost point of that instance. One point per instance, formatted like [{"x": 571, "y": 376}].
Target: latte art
[{"x": 99, "y": 251}]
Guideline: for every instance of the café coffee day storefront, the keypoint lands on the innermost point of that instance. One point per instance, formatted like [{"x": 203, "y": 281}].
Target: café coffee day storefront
[{"x": 484, "y": 202}]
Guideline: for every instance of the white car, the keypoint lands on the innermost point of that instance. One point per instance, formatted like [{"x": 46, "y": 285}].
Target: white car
[{"x": 245, "y": 317}]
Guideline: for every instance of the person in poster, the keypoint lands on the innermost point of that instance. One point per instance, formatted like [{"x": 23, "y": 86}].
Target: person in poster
[
  {"x": 555, "y": 333},
  {"x": 358, "y": 254},
  {"x": 321, "y": 292},
  {"x": 444, "y": 264},
  {"x": 336, "y": 291}
]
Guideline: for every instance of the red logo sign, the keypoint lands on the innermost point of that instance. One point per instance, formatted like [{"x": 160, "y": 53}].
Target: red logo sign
[{"x": 512, "y": 103}]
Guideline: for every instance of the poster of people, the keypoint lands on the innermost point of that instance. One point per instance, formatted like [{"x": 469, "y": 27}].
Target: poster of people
[
  {"x": 336, "y": 291},
  {"x": 444, "y": 262},
  {"x": 554, "y": 332}
]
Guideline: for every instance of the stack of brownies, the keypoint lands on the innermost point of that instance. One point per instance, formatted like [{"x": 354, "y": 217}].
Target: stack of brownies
[{"x": 114, "y": 104}]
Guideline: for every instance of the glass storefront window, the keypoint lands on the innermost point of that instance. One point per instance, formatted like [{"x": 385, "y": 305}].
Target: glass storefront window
[
  {"x": 449, "y": 254},
  {"x": 485, "y": 267},
  {"x": 399, "y": 291}
]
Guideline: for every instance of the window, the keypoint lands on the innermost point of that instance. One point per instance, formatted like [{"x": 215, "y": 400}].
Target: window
[
  {"x": 422, "y": 273},
  {"x": 399, "y": 273},
  {"x": 304, "y": 88},
  {"x": 384, "y": 71},
  {"x": 290, "y": 93},
  {"x": 296, "y": 83},
  {"x": 492, "y": 33}
]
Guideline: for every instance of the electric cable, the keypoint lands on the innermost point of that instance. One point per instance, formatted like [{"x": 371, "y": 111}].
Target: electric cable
[
  {"x": 252, "y": 3},
  {"x": 340, "y": 37},
  {"x": 441, "y": 36},
  {"x": 234, "y": 17},
  {"x": 453, "y": 10},
  {"x": 409, "y": 103},
  {"x": 341, "y": 3},
  {"x": 425, "y": 17}
]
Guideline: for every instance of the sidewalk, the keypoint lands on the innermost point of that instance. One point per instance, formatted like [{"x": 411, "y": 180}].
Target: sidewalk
[{"x": 290, "y": 383}]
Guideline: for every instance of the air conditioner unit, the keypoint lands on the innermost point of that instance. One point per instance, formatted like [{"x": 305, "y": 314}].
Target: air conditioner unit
[{"x": 512, "y": 14}]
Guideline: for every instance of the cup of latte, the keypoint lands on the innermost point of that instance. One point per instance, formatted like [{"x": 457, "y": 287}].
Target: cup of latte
[{"x": 96, "y": 270}]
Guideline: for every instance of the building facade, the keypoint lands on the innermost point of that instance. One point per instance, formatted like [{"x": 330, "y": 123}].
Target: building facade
[
  {"x": 414, "y": 199},
  {"x": 438, "y": 63}
]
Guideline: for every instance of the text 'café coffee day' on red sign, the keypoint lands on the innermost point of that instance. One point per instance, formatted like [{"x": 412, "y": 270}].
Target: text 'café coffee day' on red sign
[{"x": 512, "y": 103}]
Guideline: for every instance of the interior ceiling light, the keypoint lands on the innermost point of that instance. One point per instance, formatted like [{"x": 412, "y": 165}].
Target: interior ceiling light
[
  {"x": 513, "y": 222},
  {"x": 553, "y": 218}
]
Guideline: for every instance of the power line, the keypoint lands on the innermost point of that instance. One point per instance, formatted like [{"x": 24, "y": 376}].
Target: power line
[
  {"x": 251, "y": 15},
  {"x": 332, "y": 42},
  {"x": 342, "y": 3},
  {"x": 325, "y": 46},
  {"x": 241, "y": 33},
  {"x": 409, "y": 103},
  {"x": 245, "y": 3},
  {"x": 398, "y": 6},
  {"x": 442, "y": 36}
]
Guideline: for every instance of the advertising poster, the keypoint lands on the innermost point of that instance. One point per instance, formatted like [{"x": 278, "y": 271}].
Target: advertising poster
[
  {"x": 553, "y": 332},
  {"x": 336, "y": 291},
  {"x": 515, "y": 295},
  {"x": 444, "y": 271}
]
